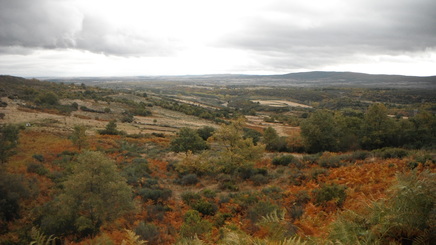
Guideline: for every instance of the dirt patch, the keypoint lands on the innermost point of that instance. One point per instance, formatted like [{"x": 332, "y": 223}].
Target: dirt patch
[
  {"x": 282, "y": 130},
  {"x": 280, "y": 103}
]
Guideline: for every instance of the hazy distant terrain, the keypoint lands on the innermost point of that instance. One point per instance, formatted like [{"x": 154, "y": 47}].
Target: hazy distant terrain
[{"x": 302, "y": 79}]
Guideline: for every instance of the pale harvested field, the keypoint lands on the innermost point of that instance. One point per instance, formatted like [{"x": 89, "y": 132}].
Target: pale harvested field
[
  {"x": 282, "y": 130},
  {"x": 280, "y": 103},
  {"x": 161, "y": 121}
]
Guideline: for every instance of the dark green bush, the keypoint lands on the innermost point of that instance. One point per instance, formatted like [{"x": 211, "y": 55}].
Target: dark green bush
[
  {"x": 360, "y": 155},
  {"x": 227, "y": 182},
  {"x": 156, "y": 212},
  {"x": 331, "y": 192},
  {"x": 37, "y": 169},
  {"x": 248, "y": 172},
  {"x": 209, "y": 193},
  {"x": 189, "y": 179},
  {"x": 311, "y": 159},
  {"x": 156, "y": 195},
  {"x": 205, "y": 207},
  {"x": 194, "y": 225},
  {"x": 302, "y": 197},
  {"x": 148, "y": 232},
  {"x": 286, "y": 160},
  {"x": 296, "y": 211},
  {"x": 205, "y": 132},
  {"x": 190, "y": 197},
  {"x": 389, "y": 152},
  {"x": 331, "y": 161},
  {"x": 259, "y": 210},
  {"x": 38, "y": 157},
  {"x": 259, "y": 179}
]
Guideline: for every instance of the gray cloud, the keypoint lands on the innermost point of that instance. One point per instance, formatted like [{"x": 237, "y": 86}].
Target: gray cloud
[
  {"x": 51, "y": 24},
  {"x": 40, "y": 23},
  {"x": 100, "y": 37},
  {"x": 368, "y": 27},
  {"x": 281, "y": 35}
]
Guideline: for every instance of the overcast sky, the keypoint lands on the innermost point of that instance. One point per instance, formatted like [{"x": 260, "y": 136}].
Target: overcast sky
[{"x": 175, "y": 37}]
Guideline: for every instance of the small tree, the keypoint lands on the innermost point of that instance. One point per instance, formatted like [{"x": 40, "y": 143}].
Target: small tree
[
  {"x": 48, "y": 98},
  {"x": 194, "y": 225},
  {"x": 205, "y": 132},
  {"x": 377, "y": 127},
  {"x": 111, "y": 129},
  {"x": 8, "y": 141},
  {"x": 233, "y": 150},
  {"x": 95, "y": 193},
  {"x": 320, "y": 132},
  {"x": 188, "y": 140},
  {"x": 79, "y": 137}
]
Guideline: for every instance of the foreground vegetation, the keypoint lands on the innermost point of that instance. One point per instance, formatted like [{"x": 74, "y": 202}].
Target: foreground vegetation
[{"x": 353, "y": 173}]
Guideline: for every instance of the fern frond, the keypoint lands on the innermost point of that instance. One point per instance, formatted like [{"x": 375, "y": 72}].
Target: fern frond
[
  {"x": 191, "y": 241},
  {"x": 274, "y": 217},
  {"x": 40, "y": 239},
  {"x": 132, "y": 239}
]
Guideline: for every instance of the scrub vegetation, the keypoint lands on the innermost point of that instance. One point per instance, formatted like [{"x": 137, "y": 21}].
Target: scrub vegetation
[{"x": 178, "y": 164}]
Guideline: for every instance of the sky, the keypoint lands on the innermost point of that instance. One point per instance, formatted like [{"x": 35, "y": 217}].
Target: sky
[{"x": 42, "y": 38}]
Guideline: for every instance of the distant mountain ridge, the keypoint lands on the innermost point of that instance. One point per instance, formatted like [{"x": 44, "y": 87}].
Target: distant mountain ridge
[{"x": 300, "y": 79}]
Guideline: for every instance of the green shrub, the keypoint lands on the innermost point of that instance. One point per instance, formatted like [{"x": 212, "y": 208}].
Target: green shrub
[
  {"x": 190, "y": 197},
  {"x": 259, "y": 179},
  {"x": 189, "y": 179},
  {"x": 311, "y": 159},
  {"x": 248, "y": 172},
  {"x": 148, "y": 232},
  {"x": 302, "y": 197},
  {"x": 286, "y": 160},
  {"x": 333, "y": 192},
  {"x": 38, "y": 157},
  {"x": 156, "y": 195},
  {"x": 37, "y": 169},
  {"x": 360, "y": 155},
  {"x": 330, "y": 160},
  {"x": 389, "y": 152},
  {"x": 245, "y": 199},
  {"x": 136, "y": 171},
  {"x": 259, "y": 210},
  {"x": 194, "y": 225},
  {"x": 156, "y": 212},
  {"x": 209, "y": 193},
  {"x": 205, "y": 207},
  {"x": 296, "y": 211},
  {"x": 423, "y": 158},
  {"x": 205, "y": 132},
  {"x": 412, "y": 165},
  {"x": 274, "y": 192},
  {"x": 226, "y": 182}
]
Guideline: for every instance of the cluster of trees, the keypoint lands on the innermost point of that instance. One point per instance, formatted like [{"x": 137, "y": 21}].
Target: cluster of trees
[
  {"x": 328, "y": 131},
  {"x": 94, "y": 193},
  {"x": 230, "y": 149},
  {"x": 325, "y": 130}
]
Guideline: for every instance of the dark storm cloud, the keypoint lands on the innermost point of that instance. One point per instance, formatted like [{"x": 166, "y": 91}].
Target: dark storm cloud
[
  {"x": 368, "y": 27},
  {"x": 51, "y": 24}
]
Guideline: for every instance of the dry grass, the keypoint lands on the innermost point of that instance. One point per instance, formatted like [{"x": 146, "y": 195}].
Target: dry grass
[{"x": 161, "y": 121}]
